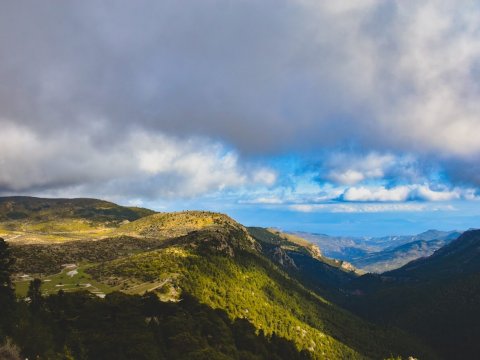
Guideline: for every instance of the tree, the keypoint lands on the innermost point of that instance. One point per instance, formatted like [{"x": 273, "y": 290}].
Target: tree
[
  {"x": 6, "y": 265},
  {"x": 7, "y": 294},
  {"x": 35, "y": 294}
]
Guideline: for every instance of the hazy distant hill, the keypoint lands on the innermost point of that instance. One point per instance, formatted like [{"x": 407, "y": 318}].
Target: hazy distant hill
[
  {"x": 460, "y": 257},
  {"x": 382, "y": 253},
  {"x": 340, "y": 247},
  {"x": 390, "y": 259}
]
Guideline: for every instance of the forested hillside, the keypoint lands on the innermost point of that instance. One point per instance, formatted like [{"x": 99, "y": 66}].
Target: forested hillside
[{"x": 200, "y": 266}]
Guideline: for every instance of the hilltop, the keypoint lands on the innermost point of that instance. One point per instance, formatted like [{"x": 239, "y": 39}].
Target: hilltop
[
  {"x": 37, "y": 220},
  {"x": 168, "y": 225},
  {"x": 40, "y": 209}
]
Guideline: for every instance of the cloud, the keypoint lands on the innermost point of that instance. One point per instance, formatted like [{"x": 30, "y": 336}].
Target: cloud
[
  {"x": 407, "y": 192},
  {"x": 360, "y": 208},
  {"x": 370, "y": 208},
  {"x": 400, "y": 193},
  {"x": 349, "y": 168},
  {"x": 143, "y": 164},
  {"x": 253, "y": 80},
  {"x": 263, "y": 201}
]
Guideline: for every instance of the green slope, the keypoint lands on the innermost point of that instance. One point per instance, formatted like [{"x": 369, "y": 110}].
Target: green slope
[
  {"x": 37, "y": 220},
  {"x": 224, "y": 270},
  {"x": 39, "y": 209}
]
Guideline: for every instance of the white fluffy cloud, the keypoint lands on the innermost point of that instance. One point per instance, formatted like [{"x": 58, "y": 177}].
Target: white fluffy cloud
[
  {"x": 439, "y": 53},
  {"x": 406, "y": 192},
  {"x": 364, "y": 208},
  {"x": 143, "y": 164},
  {"x": 349, "y": 169},
  {"x": 272, "y": 200},
  {"x": 399, "y": 193}
]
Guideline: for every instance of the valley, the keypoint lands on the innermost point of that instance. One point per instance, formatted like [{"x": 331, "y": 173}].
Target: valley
[{"x": 371, "y": 254}]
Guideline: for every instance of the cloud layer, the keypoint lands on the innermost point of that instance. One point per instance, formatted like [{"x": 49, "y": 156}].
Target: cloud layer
[
  {"x": 146, "y": 165},
  {"x": 167, "y": 98}
]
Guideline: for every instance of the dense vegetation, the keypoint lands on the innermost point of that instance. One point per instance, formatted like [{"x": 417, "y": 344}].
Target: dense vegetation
[
  {"x": 249, "y": 286},
  {"x": 64, "y": 324},
  {"x": 48, "y": 259},
  {"x": 81, "y": 326}
]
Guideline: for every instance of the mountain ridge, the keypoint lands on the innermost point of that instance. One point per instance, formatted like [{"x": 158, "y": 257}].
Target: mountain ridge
[
  {"x": 379, "y": 254},
  {"x": 217, "y": 261}
]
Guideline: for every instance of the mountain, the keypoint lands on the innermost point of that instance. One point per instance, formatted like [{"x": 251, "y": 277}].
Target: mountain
[
  {"x": 38, "y": 210},
  {"x": 339, "y": 247},
  {"x": 459, "y": 258},
  {"x": 394, "y": 241},
  {"x": 255, "y": 276},
  {"x": 379, "y": 254},
  {"x": 37, "y": 220},
  {"x": 390, "y": 259},
  {"x": 304, "y": 260},
  {"x": 436, "y": 298}
]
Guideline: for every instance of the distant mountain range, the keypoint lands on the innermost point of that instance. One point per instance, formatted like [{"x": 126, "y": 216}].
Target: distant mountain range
[
  {"x": 379, "y": 254},
  {"x": 437, "y": 298}
]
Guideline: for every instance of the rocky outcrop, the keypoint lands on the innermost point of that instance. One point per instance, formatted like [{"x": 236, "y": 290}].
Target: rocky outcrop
[{"x": 281, "y": 257}]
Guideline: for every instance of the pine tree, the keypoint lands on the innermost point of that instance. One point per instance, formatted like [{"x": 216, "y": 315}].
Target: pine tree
[
  {"x": 35, "y": 294},
  {"x": 7, "y": 294}
]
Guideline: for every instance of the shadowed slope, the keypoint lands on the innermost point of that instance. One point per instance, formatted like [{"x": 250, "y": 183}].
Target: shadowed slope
[{"x": 437, "y": 298}]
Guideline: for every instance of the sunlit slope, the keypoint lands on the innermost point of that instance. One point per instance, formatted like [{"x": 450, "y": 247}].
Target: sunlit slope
[
  {"x": 222, "y": 268},
  {"x": 169, "y": 225},
  {"x": 37, "y": 220}
]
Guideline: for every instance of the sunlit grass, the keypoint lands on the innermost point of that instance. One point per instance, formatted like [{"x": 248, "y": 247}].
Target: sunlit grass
[{"x": 69, "y": 279}]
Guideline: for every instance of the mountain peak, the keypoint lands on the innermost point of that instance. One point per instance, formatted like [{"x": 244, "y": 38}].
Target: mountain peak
[{"x": 180, "y": 223}]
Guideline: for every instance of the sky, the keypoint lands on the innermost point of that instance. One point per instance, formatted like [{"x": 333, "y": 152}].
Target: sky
[{"x": 339, "y": 117}]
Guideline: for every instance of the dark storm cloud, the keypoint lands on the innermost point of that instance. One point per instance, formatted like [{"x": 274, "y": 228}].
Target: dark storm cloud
[{"x": 256, "y": 74}]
